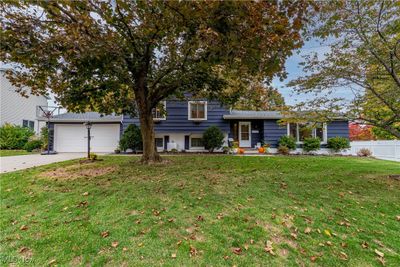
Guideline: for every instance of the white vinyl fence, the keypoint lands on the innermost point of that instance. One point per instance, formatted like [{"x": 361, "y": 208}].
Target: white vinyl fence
[{"x": 386, "y": 149}]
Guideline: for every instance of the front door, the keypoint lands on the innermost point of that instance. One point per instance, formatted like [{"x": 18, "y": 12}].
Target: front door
[{"x": 245, "y": 134}]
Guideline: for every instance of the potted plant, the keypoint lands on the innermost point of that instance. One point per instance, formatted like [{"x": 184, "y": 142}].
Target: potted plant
[
  {"x": 235, "y": 147},
  {"x": 265, "y": 147}
]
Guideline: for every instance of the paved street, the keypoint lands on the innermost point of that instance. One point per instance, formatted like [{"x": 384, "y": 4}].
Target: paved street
[{"x": 15, "y": 163}]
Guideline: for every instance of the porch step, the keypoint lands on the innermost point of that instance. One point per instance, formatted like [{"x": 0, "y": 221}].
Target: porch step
[{"x": 250, "y": 151}]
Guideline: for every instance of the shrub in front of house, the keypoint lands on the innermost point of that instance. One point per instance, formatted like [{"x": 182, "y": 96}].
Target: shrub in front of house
[
  {"x": 14, "y": 137},
  {"x": 35, "y": 144},
  {"x": 287, "y": 141},
  {"x": 337, "y": 144},
  {"x": 213, "y": 138},
  {"x": 284, "y": 150},
  {"x": 311, "y": 144},
  {"x": 131, "y": 138}
]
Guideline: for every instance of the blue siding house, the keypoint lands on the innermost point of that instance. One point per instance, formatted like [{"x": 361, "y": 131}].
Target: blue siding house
[{"x": 180, "y": 125}]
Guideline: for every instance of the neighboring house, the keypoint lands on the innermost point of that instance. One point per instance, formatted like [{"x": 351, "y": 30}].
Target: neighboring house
[
  {"x": 16, "y": 109},
  {"x": 183, "y": 125}
]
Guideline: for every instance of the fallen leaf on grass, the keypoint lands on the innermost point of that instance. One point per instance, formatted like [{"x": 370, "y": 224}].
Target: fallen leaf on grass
[
  {"x": 293, "y": 235},
  {"x": 115, "y": 244},
  {"x": 219, "y": 216},
  {"x": 226, "y": 257},
  {"x": 381, "y": 260},
  {"x": 192, "y": 251},
  {"x": 156, "y": 212},
  {"x": 124, "y": 249},
  {"x": 327, "y": 232},
  {"x": 23, "y": 250},
  {"x": 313, "y": 258},
  {"x": 105, "y": 234},
  {"x": 343, "y": 245},
  {"x": 52, "y": 262},
  {"x": 307, "y": 230},
  {"x": 283, "y": 185},
  {"x": 179, "y": 243},
  {"x": 140, "y": 245},
  {"x": 364, "y": 244},
  {"x": 251, "y": 241},
  {"x": 380, "y": 254},
  {"x": 173, "y": 255},
  {"x": 82, "y": 204},
  {"x": 200, "y": 218},
  {"x": 85, "y": 194},
  {"x": 343, "y": 256},
  {"x": 23, "y": 228},
  {"x": 237, "y": 251},
  {"x": 171, "y": 219},
  {"x": 398, "y": 218},
  {"x": 268, "y": 248},
  {"x": 329, "y": 243}
]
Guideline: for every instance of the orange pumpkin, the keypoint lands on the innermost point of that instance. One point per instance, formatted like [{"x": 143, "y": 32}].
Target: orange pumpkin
[
  {"x": 241, "y": 151},
  {"x": 261, "y": 150}
]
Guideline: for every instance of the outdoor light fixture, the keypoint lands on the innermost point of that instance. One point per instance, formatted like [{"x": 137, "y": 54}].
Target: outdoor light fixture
[{"x": 88, "y": 125}]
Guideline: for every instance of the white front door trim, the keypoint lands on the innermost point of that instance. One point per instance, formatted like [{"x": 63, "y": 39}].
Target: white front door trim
[{"x": 245, "y": 142}]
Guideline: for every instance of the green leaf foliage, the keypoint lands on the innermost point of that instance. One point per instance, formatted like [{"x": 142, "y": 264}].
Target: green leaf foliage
[
  {"x": 359, "y": 76},
  {"x": 311, "y": 144},
  {"x": 131, "y": 138},
  {"x": 14, "y": 137},
  {"x": 338, "y": 143},
  {"x": 33, "y": 145},
  {"x": 126, "y": 56},
  {"x": 287, "y": 141},
  {"x": 213, "y": 138}
]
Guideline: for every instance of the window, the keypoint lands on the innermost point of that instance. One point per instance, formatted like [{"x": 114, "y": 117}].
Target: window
[
  {"x": 196, "y": 142},
  {"x": 300, "y": 131},
  {"x": 28, "y": 123},
  {"x": 159, "y": 142},
  {"x": 305, "y": 131},
  {"x": 197, "y": 110},
  {"x": 159, "y": 113}
]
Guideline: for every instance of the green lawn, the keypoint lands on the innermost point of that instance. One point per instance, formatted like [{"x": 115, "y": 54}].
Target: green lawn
[
  {"x": 203, "y": 210},
  {"x": 8, "y": 153}
]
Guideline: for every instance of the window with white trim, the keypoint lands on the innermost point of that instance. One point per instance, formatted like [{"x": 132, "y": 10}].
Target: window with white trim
[
  {"x": 197, "y": 110},
  {"x": 300, "y": 131},
  {"x": 159, "y": 112},
  {"x": 196, "y": 142}
]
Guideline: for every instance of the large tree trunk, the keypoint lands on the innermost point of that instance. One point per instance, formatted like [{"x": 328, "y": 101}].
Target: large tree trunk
[{"x": 150, "y": 154}]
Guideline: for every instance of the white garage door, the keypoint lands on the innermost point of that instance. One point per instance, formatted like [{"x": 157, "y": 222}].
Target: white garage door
[{"x": 73, "y": 137}]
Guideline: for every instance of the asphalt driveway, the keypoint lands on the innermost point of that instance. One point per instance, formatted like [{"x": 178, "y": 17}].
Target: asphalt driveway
[{"x": 15, "y": 163}]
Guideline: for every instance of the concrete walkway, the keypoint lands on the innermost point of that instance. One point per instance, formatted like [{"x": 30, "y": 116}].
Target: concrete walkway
[{"x": 15, "y": 163}]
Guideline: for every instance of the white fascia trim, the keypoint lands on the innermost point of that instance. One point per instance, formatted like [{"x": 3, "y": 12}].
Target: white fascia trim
[{"x": 81, "y": 120}]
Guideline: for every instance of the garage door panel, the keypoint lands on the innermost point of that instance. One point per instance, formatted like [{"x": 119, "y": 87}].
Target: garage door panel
[{"x": 73, "y": 137}]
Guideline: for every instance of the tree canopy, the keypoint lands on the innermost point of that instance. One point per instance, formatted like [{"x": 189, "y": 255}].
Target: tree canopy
[
  {"x": 126, "y": 56},
  {"x": 364, "y": 60}
]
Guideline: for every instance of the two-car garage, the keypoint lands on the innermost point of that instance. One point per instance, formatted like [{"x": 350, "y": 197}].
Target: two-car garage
[{"x": 70, "y": 133}]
